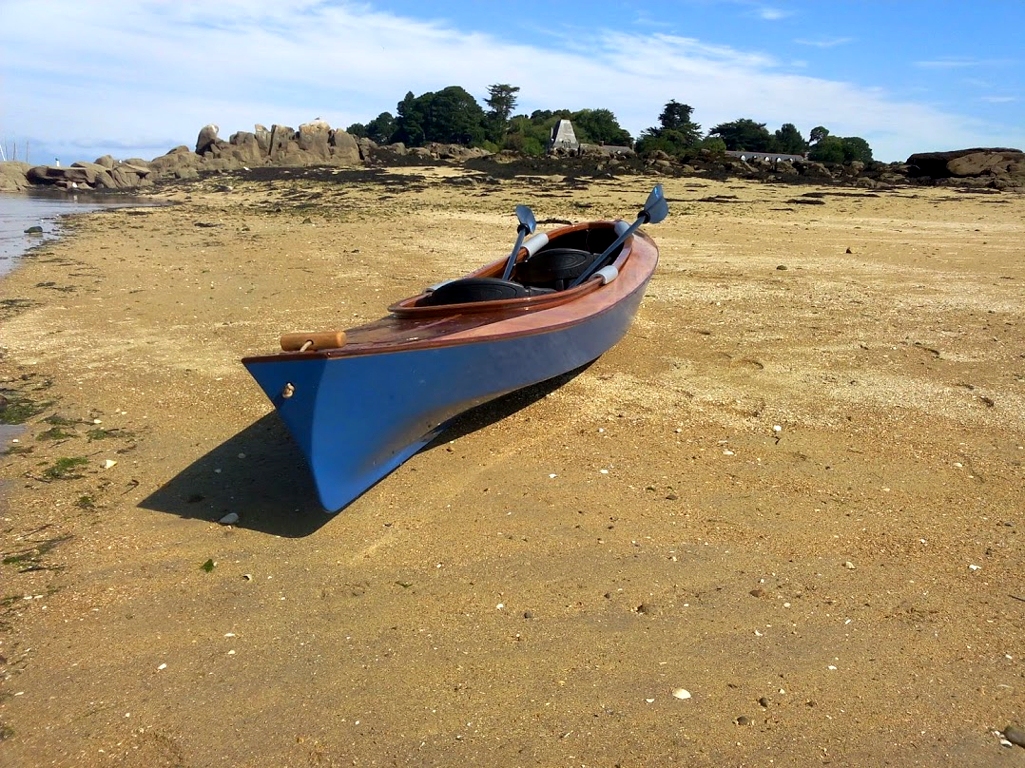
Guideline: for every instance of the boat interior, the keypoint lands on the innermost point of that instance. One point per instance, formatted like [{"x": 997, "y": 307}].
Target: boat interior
[
  {"x": 551, "y": 269},
  {"x": 542, "y": 278}
]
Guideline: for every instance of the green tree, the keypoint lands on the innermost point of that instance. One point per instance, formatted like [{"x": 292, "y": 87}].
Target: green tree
[
  {"x": 524, "y": 144},
  {"x": 837, "y": 149},
  {"x": 409, "y": 123},
  {"x": 381, "y": 128},
  {"x": 744, "y": 134},
  {"x": 548, "y": 117},
  {"x": 501, "y": 102},
  {"x": 818, "y": 133},
  {"x": 450, "y": 116},
  {"x": 828, "y": 149},
  {"x": 677, "y": 117},
  {"x": 676, "y": 132},
  {"x": 529, "y": 135},
  {"x": 600, "y": 126},
  {"x": 455, "y": 117},
  {"x": 790, "y": 141},
  {"x": 714, "y": 144},
  {"x": 856, "y": 148}
]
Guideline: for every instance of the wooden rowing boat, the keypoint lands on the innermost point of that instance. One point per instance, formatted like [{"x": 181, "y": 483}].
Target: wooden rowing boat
[{"x": 361, "y": 402}]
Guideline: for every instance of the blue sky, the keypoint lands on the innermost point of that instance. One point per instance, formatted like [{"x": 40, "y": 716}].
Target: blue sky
[{"x": 135, "y": 78}]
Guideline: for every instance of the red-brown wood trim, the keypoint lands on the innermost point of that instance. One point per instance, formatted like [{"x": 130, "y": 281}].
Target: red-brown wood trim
[{"x": 636, "y": 263}]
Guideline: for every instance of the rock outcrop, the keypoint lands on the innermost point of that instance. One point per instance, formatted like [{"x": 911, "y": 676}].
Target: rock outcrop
[
  {"x": 315, "y": 143},
  {"x": 997, "y": 167},
  {"x": 98, "y": 175},
  {"x": 207, "y": 137},
  {"x": 13, "y": 176}
]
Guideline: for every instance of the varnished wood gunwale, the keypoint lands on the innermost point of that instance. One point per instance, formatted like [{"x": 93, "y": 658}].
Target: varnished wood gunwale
[{"x": 411, "y": 330}]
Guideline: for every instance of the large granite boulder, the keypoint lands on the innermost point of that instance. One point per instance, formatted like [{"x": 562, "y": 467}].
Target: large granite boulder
[
  {"x": 457, "y": 152},
  {"x": 245, "y": 147},
  {"x": 131, "y": 173},
  {"x": 179, "y": 163},
  {"x": 13, "y": 176},
  {"x": 70, "y": 177},
  {"x": 282, "y": 140},
  {"x": 96, "y": 175},
  {"x": 315, "y": 139},
  {"x": 1001, "y": 163},
  {"x": 813, "y": 169},
  {"x": 263, "y": 139},
  {"x": 207, "y": 139},
  {"x": 937, "y": 165},
  {"x": 366, "y": 146},
  {"x": 345, "y": 149}
]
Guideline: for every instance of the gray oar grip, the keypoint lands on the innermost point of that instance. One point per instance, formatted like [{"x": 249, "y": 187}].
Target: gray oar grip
[{"x": 536, "y": 243}]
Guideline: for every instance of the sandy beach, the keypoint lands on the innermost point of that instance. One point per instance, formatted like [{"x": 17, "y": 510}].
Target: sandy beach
[{"x": 794, "y": 490}]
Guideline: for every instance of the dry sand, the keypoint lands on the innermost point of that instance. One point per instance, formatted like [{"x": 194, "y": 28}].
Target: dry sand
[{"x": 846, "y": 589}]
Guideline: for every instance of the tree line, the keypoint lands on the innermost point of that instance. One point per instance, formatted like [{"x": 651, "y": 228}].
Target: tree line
[{"x": 453, "y": 116}]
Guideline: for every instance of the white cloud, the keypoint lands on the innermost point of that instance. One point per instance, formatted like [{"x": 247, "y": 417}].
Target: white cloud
[
  {"x": 141, "y": 77},
  {"x": 960, "y": 62},
  {"x": 772, "y": 14},
  {"x": 831, "y": 42}
]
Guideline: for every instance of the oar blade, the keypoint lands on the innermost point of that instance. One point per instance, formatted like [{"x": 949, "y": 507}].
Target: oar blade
[
  {"x": 528, "y": 224},
  {"x": 655, "y": 207},
  {"x": 655, "y": 210},
  {"x": 526, "y": 218}
]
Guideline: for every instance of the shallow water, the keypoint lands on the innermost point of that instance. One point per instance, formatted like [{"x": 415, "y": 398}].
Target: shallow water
[{"x": 18, "y": 212}]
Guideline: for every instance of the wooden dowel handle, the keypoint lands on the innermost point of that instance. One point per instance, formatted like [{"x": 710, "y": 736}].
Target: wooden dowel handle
[{"x": 293, "y": 342}]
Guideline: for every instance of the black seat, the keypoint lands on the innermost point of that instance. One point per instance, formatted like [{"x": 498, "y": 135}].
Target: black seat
[
  {"x": 555, "y": 267},
  {"x": 472, "y": 289}
]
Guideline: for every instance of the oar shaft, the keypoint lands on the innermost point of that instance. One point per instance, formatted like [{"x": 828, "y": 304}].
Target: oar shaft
[
  {"x": 605, "y": 254},
  {"x": 511, "y": 261}
]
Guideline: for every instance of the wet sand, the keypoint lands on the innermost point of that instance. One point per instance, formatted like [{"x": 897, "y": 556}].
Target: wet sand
[{"x": 794, "y": 490}]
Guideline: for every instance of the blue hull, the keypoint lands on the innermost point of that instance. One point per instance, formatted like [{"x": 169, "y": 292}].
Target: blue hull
[{"x": 357, "y": 418}]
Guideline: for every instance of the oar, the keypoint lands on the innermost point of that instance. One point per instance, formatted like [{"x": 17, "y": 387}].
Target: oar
[
  {"x": 655, "y": 209},
  {"x": 527, "y": 225}
]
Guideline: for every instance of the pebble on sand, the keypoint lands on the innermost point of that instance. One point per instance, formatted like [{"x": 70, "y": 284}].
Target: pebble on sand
[
  {"x": 1015, "y": 735},
  {"x": 681, "y": 693},
  {"x": 229, "y": 519}
]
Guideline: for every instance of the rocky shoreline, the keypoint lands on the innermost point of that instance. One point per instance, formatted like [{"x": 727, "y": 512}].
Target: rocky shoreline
[{"x": 318, "y": 144}]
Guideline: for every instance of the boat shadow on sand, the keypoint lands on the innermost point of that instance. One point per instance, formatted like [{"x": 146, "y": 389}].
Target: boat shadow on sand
[{"x": 261, "y": 474}]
